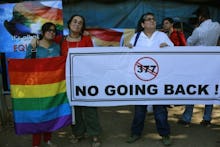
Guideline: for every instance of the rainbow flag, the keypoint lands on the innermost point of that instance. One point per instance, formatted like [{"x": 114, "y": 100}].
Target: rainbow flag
[
  {"x": 38, "y": 91},
  {"x": 105, "y": 37},
  {"x": 29, "y": 15}
]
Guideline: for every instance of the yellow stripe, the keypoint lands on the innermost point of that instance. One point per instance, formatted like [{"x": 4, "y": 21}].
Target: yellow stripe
[
  {"x": 128, "y": 33},
  {"x": 43, "y": 20},
  {"x": 37, "y": 91},
  {"x": 99, "y": 42}
]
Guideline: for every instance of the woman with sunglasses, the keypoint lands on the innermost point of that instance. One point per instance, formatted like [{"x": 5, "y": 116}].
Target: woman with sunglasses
[{"x": 45, "y": 47}]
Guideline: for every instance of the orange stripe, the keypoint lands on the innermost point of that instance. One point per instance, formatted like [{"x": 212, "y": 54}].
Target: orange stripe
[
  {"x": 106, "y": 34},
  {"x": 37, "y": 9},
  {"x": 36, "y": 78},
  {"x": 99, "y": 42}
]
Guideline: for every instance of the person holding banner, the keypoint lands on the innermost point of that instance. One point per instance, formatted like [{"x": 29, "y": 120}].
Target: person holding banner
[
  {"x": 87, "y": 121},
  {"x": 45, "y": 47},
  {"x": 147, "y": 36},
  {"x": 206, "y": 34}
]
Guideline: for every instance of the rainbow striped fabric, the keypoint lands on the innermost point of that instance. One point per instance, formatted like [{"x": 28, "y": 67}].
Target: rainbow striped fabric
[
  {"x": 38, "y": 91},
  {"x": 29, "y": 16},
  {"x": 105, "y": 37},
  {"x": 29, "y": 13}
]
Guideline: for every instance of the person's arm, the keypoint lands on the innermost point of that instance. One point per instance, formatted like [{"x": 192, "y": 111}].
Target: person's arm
[
  {"x": 131, "y": 42},
  {"x": 182, "y": 38},
  {"x": 28, "y": 51},
  {"x": 193, "y": 39},
  {"x": 34, "y": 42},
  {"x": 166, "y": 41},
  {"x": 32, "y": 47}
]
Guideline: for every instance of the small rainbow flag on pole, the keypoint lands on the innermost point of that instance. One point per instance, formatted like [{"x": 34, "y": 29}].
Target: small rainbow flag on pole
[{"x": 38, "y": 91}]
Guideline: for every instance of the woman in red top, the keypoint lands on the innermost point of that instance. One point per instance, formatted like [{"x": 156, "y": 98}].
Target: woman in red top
[
  {"x": 175, "y": 34},
  {"x": 87, "y": 121},
  {"x": 76, "y": 37}
]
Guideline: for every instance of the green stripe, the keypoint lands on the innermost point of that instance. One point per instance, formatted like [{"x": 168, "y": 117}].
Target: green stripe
[
  {"x": 59, "y": 27},
  {"x": 39, "y": 103}
]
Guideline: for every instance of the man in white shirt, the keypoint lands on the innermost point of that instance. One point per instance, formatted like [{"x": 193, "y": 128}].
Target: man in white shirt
[{"x": 206, "y": 34}]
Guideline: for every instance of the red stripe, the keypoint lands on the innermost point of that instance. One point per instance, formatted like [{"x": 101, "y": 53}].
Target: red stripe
[
  {"x": 36, "y": 65},
  {"x": 43, "y": 11},
  {"x": 36, "y": 78},
  {"x": 106, "y": 34}
]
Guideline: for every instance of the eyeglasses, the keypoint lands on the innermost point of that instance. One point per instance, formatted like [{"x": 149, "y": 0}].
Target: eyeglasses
[
  {"x": 149, "y": 19},
  {"x": 51, "y": 30}
]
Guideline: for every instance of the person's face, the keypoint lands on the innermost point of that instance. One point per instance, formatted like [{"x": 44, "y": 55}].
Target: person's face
[
  {"x": 149, "y": 22},
  {"x": 50, "y": 33},
  {"x": 76, "y": 24},
  {"x": 167, "y": 25}
]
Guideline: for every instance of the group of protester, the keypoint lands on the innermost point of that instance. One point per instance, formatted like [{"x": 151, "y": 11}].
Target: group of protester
[
  {"x": 206, "y": 34},
  {"x": 87, "y": 122}
]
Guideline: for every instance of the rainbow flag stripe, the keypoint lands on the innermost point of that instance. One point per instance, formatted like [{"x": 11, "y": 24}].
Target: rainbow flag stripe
[
  {"x": 34, "y": 12},
  {"x": 106, "y": 37},
  {"x": 38, "y": 91}
]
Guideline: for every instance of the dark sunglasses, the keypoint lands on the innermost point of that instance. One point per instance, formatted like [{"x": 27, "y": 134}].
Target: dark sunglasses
[
  {"x": 149, "y": 19},
  {"x": 51, "y": 30}
]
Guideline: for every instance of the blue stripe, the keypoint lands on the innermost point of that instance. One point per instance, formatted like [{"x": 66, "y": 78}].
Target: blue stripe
[{"x": 38, "y": 116}]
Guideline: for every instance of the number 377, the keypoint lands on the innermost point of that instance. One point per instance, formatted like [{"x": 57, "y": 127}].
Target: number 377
[{"x": 146, "y": 68}]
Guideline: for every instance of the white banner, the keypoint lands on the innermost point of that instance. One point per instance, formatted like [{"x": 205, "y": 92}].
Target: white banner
[{"x": 113, "y": 76}]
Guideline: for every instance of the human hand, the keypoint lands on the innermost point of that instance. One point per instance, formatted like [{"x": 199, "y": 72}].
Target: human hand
[
  {"x": 34, "y": 42},
  {"x": 129, "y": 45},
  {"x": 164, "y": 44},
  {"x": 86, "y": 33}
]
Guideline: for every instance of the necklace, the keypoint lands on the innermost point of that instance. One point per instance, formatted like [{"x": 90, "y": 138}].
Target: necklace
[
  {"x": 73, "y": 39},
  {"x": 72, "y": 42}
]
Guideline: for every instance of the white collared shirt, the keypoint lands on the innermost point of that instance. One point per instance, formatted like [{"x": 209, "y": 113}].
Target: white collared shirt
[
  {"x": 154, "y": 41},
  {"x": 207, "y": 34}
]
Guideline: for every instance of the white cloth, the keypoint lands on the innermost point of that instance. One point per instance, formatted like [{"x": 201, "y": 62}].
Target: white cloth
[
  {"x": 73, "y": 116},
  {"x": 154, "y": 41},
  {"x": 150, "y": 109},
  {"x": 207, "y": 34}
]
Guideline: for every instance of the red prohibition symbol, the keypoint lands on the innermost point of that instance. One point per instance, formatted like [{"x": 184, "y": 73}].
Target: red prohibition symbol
[{"x": 146, "y": 68}]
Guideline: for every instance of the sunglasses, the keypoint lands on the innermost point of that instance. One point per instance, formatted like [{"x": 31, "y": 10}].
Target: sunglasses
[
  {"x": 51, "y": 30},
  {"x": 149, "y": 19}
]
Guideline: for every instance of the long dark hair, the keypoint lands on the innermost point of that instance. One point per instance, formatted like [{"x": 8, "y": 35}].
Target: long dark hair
[
  {"x": 83, "y": 25},
  {"x": 139, "y": 28}
]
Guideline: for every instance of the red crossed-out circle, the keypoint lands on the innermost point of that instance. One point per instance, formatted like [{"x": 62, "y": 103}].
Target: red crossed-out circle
[{"x": 146, "y": 68}]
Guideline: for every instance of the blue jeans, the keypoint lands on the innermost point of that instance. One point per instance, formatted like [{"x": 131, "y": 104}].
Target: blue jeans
[
  {"x": 160, "y": 115},
  {"x": 187, "y": 115}
]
